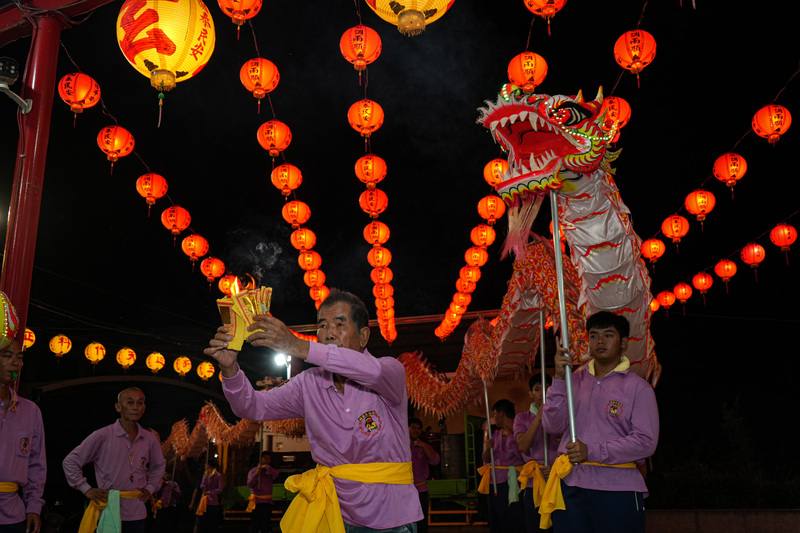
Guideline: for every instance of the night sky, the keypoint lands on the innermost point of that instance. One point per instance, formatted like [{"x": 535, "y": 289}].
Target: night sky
[{"x": 107, "y": 272}]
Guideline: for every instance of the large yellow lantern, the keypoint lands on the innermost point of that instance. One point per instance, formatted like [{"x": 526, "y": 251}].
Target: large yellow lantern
[
  {"x": 155, "y": 362},
  {"x": 94, "y": 352},
  {"x": 167, "y": 41},
  {"x": 205, "y": 370},
  {"x": 182, "y": 365},
  {"x": 411, "y": 16},
  {"x": 126, "y": 357},
  {"x": 28, "y": 339},
  {"x": 60, "y": 345}
]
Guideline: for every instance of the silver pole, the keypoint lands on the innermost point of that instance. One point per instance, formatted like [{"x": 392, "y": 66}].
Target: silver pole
[
  {"x": 544, "y": 368},
  {"x": 562, "y": 307},
  {"x": 489, "y": 430},
  {"x": 288, "y": 367}
]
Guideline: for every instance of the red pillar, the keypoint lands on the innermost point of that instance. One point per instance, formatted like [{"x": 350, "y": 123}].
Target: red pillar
[{"x": 38, "y": 84}]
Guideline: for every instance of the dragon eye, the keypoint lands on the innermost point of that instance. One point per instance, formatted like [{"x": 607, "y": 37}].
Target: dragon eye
[{"x": 569, "y": 114}]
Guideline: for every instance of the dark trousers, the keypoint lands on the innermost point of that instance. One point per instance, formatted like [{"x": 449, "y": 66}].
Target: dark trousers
[
  {"x": 599, "y": 511},
  {"x": 134, "y": 526},
  {"x": 422, "y": 525},
  {"x": 504, "y": 518},
  {"x": 261, "y": 518},
  {"x": 167, "y": 520},
  {"x": 14, "y": 528},
  {"x": 211, "y": 520},
  {"x": 530, "y": 512},
  {"x": 408, "y": 528}
]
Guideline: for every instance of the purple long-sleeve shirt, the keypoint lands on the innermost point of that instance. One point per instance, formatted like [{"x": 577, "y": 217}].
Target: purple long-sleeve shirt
[
  {"x": 169, "y": 494},
  {"x": 22, "y": 460},
  {"x": 421, "y": 466},
  {"x": 522, "y": 422},
  {"x": 367, "y": 423},
  {"x": 616, "y": 416},
  {"x": 119, "y": 463},
  {"x": 505, "y": 453},
  {"x": 212, "y": 485},
  {"x": 260, "y": 481}
]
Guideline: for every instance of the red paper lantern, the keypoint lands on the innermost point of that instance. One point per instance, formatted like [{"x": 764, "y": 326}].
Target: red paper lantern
[
  {"x": 666, "y": 299},
  {"x": 309, "y": 260},
  {"x": 259, "y": 76},
  {"x": 79, "y": 91},
  {"x": 314, "y": 278},
  {"x": 303, "y": 239},
  {"x": 370, "y": 169},
  {"x": 730, "y": 168},
  {"x": 490, "y": 208},
  {"x": 176, "y": 219},
  {"x": 195, "y": 246},
  {"x": 462, "y": 299},
  {"x": 319, "y": 294},
  {"x": 682, "y": 292},
  {"x": 700, "y": 203},
  {"x": 383, "y": 305},
  {"x": 379, "y": 256},
  {"x": 494, "y": 171},
  {"x": 376, "y": 233},
  {"x": 653, "y": 249},
  {"x": 702, "y": 281},
  {"x": 151, "y": 187},
  {"x": 527, "y": 70},
  {"x": 274, "y": 136},
  {"x": 365, "y": 116},
  {"x": 654, "y": 305},
  {"x": 240, "y": 10},
  {"x": 752, "y": 254},
  {"x": 482, "y": 235},
  {"x": 465, "y": 286},
  {"x": 381, "y": 275},
  {"x": 545, "y": 9},
  {"x": 617, "y": 114},
  {"x": 675, "y": 227},
  {"x": 783, "y": 236},
  {"x": 771, "y": 122},
  {"x": 634, "y": 50},
  {"x": 115, "y": 142},
  {"x": 470, "y": 273},
  {"x": 286, "y": 178},
  {"x": 383, "y": 290},
  {"x": 725, "y": 269},
  {"x": 360, "y": 45},
  {"x": 212, "y": 268},
  {"x": 226, "y": 282},
  {"x": 296, "y": 213},
  {"x": 476, "y": 256},
  {"x": 373, "y": 202}
]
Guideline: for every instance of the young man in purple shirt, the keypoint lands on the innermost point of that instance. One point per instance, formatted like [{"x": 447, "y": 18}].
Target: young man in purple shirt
[
  {"x": 529, "y": 434},
  {"x": 423, "y": 456},
  {"x": 356, "y": 414},
  {"x": 23, "y": 466},
  {"x": 168, "y": 497},
  {"x": 259, "y": 480},
  {"x": 505, "y": 511},
  {"x": 616, "y": 423},
  {"x": 126, "y": 458},
  {"x": 210, "y": 512}
]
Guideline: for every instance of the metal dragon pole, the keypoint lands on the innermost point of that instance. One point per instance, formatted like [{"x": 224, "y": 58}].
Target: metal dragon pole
[
  {"x": 562, "y": 307},
  {"x": 489, "y": 430},
  {"x": 544, "y": 393}
]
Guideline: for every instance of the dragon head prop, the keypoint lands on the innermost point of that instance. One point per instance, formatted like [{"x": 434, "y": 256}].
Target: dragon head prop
[{"x": 550, "y": 140}]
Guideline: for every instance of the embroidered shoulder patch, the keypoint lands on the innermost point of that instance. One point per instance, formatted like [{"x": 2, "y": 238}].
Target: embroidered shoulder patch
[
  {"x": 24, "y": 446},
  {"x": 369, "y": 423},
  {"x": 614, "y": 408}
]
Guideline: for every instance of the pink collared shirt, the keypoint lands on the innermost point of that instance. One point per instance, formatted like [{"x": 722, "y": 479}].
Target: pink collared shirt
[
  {"x": 118, "y": 464},
  {"x": 367, "y": 423}
]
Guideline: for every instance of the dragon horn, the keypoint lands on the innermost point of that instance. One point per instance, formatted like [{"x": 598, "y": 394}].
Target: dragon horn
[
  {"x": 579, "y": 96},
  {"x": 599, "y": 97}
]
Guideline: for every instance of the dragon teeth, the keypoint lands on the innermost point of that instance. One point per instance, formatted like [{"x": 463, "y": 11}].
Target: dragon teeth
[
  {"x": 523, "y": 115},
  {"x": 503, "y": 121},
  {"x": 513, "y": 118}
]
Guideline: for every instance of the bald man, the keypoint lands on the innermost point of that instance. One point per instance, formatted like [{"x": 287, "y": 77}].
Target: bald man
[{"x": 127, "y": 459}]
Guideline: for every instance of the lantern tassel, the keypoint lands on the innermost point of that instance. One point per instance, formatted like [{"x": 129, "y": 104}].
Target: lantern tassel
[
  {"x": 727, "y": 288},
  {"x": 238, "y": 31},
  {"x": 259, "y": 106},
  {"x": 548, "y": 27},
  {"x": 638, "y": 81},
  {"x": 755, "y": 274},
  {"x": 161, "y": 97},
  {"x": 74, "y": 120},
  {"x": 786, "y": 254}
]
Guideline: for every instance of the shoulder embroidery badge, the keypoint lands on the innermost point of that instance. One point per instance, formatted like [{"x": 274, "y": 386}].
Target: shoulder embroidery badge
[{"x": 614, "y": 408}]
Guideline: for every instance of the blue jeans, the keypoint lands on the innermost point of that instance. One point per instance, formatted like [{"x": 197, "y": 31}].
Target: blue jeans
[{"x": 408, "y": 528}]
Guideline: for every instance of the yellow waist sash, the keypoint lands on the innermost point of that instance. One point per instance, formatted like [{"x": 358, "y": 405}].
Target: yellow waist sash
[
  {"x": 316, "y": 507},
  {"x": 553, "y": 498},
  {"x": 532, "y": 470},
  {"x": 486, "y": 476},
  {"x": 8, "y": 486},
  {"x": 92, "y": 513},
  {"x": 202, "y": 505},
  {"x": 254, "y": 499}
]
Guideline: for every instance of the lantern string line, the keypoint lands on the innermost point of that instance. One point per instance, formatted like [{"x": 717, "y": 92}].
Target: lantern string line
[
  {"x": 641, "y": 15},
  {"x": 735, "y": 253},
  {"x": 255, "y": 39},
  {"x": 530, "y": 33},
  {"x": 358, "y": 10},
  {"x": 747, "y": 133}
]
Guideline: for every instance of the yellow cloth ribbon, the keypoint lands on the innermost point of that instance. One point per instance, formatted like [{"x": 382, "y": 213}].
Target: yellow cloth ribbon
[
  {"x": 8, "y": 486},
  {"x": 553, "y": 498},
  {"x": 253, "y": 499},
  {"x": 486, "y": 477},
  {"x": 532, "y": 470},
  {"x": 316, "y": 507},
  {"x": 92, "y": 513},
  {"x": 202, "y": 505}
]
